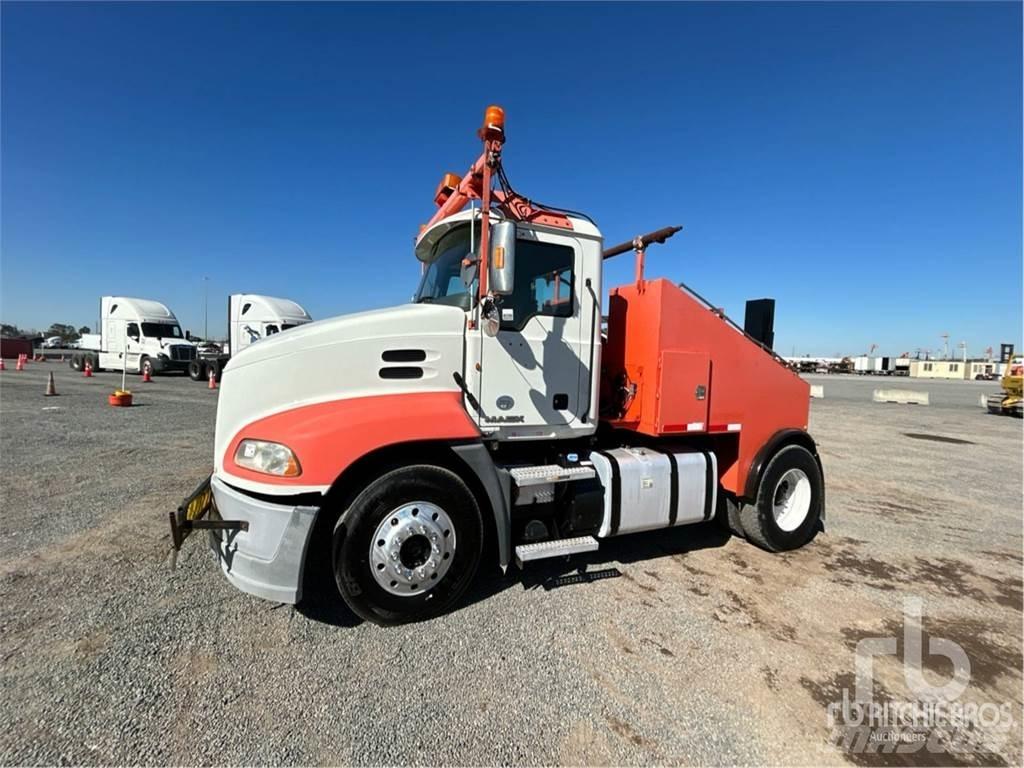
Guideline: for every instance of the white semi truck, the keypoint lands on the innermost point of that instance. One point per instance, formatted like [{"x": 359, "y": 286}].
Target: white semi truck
[
  {"x": 251, "y": 317},
  {"x": 135, "y": 335}
]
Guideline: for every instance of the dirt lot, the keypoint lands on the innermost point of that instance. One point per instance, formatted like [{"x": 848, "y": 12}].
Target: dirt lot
[{"x": 704, "y": 651}]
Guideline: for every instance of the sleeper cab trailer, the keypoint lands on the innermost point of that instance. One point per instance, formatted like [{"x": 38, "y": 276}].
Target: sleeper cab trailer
[
  {"x": 137, "y": 335},
  {"x": 387, "y": 453},
  {"x": 251, "y": 317}
]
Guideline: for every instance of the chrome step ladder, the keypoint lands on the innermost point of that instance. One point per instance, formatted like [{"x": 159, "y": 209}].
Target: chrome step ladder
[
  {"x": 543, "y": 474},
  {"x": 558, "y": 548}
]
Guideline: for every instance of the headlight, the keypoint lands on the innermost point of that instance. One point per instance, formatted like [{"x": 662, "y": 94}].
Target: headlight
[{"x": 268, "y": 458}]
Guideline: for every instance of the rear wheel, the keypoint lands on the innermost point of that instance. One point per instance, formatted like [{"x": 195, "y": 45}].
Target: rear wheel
[
  {"x": 196, "y": 370},
  {"x": 77, "y": 361},
  {"x": 408, "y": 546},
  {"x": 213, "y": 365},
  {"x": 787, "y": 513}
]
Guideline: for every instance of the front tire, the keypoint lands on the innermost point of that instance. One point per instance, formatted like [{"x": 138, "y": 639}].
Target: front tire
[
  {"x": 787, "y": 513},
  {"x": 409, "y": 545},
  {"x": 196, "y": 370},
  {"x": 145, "y": 363}
]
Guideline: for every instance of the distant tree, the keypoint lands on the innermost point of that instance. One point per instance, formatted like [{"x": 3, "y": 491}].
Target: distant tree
[
  {"x": 7, "y": 329},
  {"x": 84, "y": 330},
  {"x": 65, "y": 331}
]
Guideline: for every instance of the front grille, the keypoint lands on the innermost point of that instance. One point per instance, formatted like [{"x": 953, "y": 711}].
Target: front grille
[{"x": 183, "y": 352}]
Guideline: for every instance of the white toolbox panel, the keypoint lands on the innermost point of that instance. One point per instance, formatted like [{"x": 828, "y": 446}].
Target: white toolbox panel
[{"x": 644, "y": 498}]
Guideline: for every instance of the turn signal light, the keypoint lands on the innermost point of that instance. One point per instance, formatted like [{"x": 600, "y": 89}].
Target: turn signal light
[
  {"x": 494, "y": 122},
  {"x": 449, "y": 183}
]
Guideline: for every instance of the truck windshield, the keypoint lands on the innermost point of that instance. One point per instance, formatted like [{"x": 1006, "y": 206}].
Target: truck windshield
[
  {"x": 161, "y": 331},
  {"x": 442, "y": 282}
]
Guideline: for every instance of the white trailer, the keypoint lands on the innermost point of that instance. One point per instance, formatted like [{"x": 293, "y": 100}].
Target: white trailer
[
  {"x": 862, "y": 364},
  {"x": 135, "y": 335},
  {"x": 251, "y": 317}
]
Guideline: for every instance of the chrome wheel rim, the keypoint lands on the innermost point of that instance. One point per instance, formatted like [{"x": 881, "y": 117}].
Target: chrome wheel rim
[
  {"x": 791, "y": 500},
  {"x": 412, "y": 549}
]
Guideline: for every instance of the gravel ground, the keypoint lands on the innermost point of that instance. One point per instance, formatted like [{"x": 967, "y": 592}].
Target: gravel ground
[{"x": 705, "y": 650}]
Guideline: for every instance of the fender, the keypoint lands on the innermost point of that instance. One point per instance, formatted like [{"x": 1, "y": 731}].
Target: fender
[
  {"x": 781, "y": 438},
  {"x": 328, "y": 437}
]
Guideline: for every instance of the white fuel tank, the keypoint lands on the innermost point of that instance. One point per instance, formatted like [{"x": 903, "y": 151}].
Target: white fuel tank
[{"x": 646, "y": 489}]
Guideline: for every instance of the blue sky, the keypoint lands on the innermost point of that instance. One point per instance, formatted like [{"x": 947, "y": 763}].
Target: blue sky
[{"x": 860, "y": 162}]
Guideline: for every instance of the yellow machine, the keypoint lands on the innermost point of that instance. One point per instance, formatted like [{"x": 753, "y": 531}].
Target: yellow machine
[{"x": 1010, "y": 402}]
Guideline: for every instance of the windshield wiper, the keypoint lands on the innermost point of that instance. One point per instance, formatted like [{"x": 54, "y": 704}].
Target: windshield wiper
[{"x": 425, "y": 300}]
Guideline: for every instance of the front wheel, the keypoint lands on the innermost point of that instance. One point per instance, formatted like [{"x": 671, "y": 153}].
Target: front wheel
[
  {"x": 408, "y": 546},
  {"x": 196, "y": 370},
  {"x": 787, "y": 513}
]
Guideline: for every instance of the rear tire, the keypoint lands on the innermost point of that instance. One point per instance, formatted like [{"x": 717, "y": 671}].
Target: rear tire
[
  {"x": 213, "y": 365},
  {"x": 399, "y": 522},
  {"x": 787, "y": 513},
  {"x": 197, "y": 370},
  {"x": 77, "y": 362}
]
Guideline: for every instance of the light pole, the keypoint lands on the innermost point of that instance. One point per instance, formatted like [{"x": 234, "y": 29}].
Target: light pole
[{"x": 206, "y": 309}]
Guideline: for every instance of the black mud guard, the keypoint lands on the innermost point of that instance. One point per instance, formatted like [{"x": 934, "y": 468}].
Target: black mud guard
[{"x": 497, "y": 485}]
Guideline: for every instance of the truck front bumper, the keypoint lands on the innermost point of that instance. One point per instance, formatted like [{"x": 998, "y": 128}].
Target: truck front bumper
[
  {"x": 267, "y": 559},
  {"x": 164, "y": 364}
]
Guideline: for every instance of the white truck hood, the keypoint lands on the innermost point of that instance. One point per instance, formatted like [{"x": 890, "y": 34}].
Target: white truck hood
[{"x": 337, "y": 359}]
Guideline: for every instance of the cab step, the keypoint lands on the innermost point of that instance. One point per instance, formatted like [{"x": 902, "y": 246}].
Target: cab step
[
  {"x": 551, "y": 473},
  {"x": 558, "y": 548}
]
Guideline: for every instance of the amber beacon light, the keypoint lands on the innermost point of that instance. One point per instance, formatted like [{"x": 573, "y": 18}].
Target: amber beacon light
[{"x": 494, "y": 122}]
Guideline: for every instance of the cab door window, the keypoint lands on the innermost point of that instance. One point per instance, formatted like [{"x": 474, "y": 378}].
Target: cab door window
[
  {"x": 133, "y": 331},
  {"x": 543, "y": 284}
]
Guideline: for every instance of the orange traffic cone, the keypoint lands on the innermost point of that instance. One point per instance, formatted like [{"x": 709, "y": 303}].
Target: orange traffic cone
[
  {"x": 212, "y": 380},
  {"x": 51, "y": 388},
  {"x": 145, "y": 374},
  {"x": 20, "y": 365},
  {"x": 87, "y": 370},
  {"x": 2, "y": 366}
]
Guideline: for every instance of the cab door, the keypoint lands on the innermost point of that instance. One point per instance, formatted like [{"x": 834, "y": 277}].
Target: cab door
[{"x": 531, "y": 372}]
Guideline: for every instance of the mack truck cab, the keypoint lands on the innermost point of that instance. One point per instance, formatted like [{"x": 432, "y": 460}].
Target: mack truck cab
[{"x": 492, "y": 418}]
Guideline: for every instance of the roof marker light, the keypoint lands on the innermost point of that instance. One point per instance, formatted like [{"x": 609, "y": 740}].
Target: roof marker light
[{"x": 449, "y": 183}]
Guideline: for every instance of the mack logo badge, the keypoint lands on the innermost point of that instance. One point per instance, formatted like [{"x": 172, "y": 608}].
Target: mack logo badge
[
  {"x": 505, "y": 403},
  {"x": 504, "y": 419}
]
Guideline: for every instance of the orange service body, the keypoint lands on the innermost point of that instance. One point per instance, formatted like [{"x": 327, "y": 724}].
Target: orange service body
[{"x": 695, "y": 375}]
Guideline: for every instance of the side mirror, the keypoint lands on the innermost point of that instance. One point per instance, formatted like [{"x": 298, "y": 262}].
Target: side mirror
[
  {"x": 490, "y": 317},
  {"x": 502, "y": 265}
]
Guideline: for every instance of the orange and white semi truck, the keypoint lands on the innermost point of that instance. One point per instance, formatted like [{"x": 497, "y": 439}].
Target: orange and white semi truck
[{"x": 492, "y": 417}]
